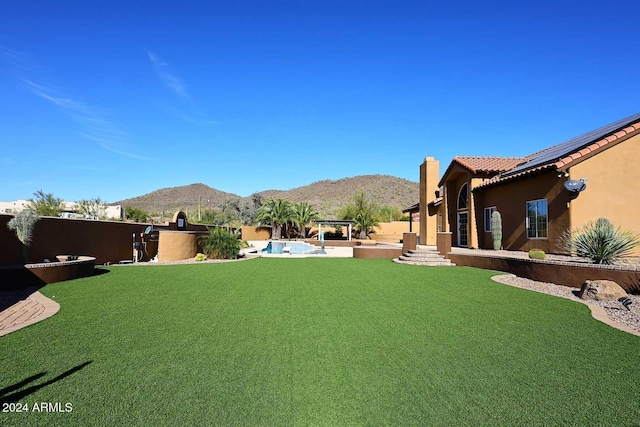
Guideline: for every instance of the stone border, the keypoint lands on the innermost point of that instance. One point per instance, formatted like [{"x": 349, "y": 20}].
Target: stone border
[
  {"x": 35, "y": 308},
  {"x": 597, "y": 312}
]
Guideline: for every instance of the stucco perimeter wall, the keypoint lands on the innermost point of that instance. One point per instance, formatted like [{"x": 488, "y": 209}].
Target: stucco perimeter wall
[
  {"x": 392, "y": 231},
  {"x": 511, "y": 201},
  {"x": 107, "y": 241},
  {"x": 376, "y": 252},
  {"x": 178, "y": 245},
  {"x": 613, "y": 187},
  {"x": 250, "y": 232},
  {"x": 561, "y": 273}
]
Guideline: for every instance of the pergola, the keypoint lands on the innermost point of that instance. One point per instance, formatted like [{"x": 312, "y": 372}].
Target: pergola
[
  {"x": 332, "y": 222},
  {"x": 411, "y": 210}
]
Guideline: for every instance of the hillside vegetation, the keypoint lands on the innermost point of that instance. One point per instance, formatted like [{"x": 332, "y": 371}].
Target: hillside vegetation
[{"x": 326, "y": 196}]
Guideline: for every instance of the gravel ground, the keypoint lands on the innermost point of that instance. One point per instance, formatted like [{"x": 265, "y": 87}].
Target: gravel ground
[{"x": 614, "y": 309}]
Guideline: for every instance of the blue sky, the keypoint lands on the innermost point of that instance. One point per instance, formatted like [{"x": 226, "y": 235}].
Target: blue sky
[{"x": 115, "y": 99}]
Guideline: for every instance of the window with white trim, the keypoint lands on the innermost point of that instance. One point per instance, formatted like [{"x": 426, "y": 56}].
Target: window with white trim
[
  {"x": 487, "y": 218},
  {"x": 537, "y": 219}
]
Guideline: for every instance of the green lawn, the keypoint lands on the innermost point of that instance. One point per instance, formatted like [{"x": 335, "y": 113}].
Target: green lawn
[{"x": 317, "y": 342}]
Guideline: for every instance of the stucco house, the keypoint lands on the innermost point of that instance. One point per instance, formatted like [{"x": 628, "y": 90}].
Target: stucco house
[{"x": 530, "y": 192}]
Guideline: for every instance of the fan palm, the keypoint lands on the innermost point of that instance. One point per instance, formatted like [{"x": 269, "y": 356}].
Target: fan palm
[
  {"x": 303, "y": 214},
  {"x": 275, "y": 213},
  {"x": 363, "y": 212}
]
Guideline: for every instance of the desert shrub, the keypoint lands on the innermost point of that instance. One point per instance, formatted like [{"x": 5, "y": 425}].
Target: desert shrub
[
  {"x": 136, "y": 214},
  {"x": 244, "y": 244},
  {"x": 599, "y": 241},
  {"x": 23, "y": 224},
  {"x": 200, "y": 257},
  {"x": 537, "y": 254},
  {"x": 220, "y": 243}
]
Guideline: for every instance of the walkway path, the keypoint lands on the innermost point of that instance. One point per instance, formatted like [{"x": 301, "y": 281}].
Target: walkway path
[{"x": 34, "y": 308}]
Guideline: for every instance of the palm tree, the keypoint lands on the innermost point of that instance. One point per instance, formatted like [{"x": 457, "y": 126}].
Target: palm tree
[
  {"x": 275, "y": 213},
  {"x": 303, "y": 214},
  {"x": 363, "y": 212}
]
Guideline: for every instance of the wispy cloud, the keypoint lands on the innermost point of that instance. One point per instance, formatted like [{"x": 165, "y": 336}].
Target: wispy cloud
[
  {"x": 96, "y": 127},
  {"x": 15, "y": 59},
  {"x": 93, "y": 120},
  {"x": 170, "y": 80}
]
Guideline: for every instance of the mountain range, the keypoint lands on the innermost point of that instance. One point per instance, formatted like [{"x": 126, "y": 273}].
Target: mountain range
[{"x": 327, "y": 196}]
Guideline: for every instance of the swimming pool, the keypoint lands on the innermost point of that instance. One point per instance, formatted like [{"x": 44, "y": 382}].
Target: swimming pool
[{"x": 291, "y": 248}]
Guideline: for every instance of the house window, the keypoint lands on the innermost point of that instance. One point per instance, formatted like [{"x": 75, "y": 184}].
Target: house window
[
  {"x": 462, "y": 196},
  {"x": 487, "y": 218},
  {"x": 537, "y": 219}
]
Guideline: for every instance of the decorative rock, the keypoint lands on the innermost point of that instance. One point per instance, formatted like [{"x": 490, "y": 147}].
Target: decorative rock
[{"x": 599, "y": 290}]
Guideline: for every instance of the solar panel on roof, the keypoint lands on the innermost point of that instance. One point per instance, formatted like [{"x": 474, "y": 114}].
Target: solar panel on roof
[{"x": 575, "y": 144}]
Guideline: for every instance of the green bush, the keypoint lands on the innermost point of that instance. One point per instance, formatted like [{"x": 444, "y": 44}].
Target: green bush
[
  {"x": 600, "y": 241},
  {"x": 537, "y": 254},
  {"x": 200, "y": 257},
  {"x": 136, "y": 214},
  {"x": 220, "y": 243}
]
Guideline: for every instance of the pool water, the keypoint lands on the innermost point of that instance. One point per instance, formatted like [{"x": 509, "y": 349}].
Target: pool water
[{"x": 292, "y": 248}]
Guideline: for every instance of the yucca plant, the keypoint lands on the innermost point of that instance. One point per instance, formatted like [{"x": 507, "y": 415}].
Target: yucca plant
[
  {"x": 220, "y": 243},
  {"x": 600, "y": 241}
]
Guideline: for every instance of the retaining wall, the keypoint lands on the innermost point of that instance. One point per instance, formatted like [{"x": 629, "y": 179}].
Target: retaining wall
[
  {"x": 376, "y": 252},
  {"x": 559, "y": 272},
  {"x": 23, "y": 276}
]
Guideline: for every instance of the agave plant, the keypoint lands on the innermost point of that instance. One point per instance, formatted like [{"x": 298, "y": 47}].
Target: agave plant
[
  {"x": 600, "y": 241},
  {"x": 220, "y": 243}
]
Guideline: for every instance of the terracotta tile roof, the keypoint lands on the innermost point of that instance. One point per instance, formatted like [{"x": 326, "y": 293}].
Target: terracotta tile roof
[
  {"x": 478, "y": 164},
  {"x": 566, "y": 158},
  {"x": 436, "y": 202},
  {"x": 412, "y": 208}
]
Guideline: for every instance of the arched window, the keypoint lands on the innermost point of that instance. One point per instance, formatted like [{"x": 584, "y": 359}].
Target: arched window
[{"x": 462, "y": 196}]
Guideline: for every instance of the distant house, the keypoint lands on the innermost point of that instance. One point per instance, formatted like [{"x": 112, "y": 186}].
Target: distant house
[
  {"x": 70, "y": 210},
  {"x": 530, "y": 192}
]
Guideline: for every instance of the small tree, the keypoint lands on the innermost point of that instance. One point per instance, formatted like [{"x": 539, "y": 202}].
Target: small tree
[
  {"x": 23, "y": 224},
  {"x": 45, "y": 204},
  {"x": 599, "y": 241},
  {"x": 220, "y": 243},
  {"x": 389, "y": 214},
  {"x": 92, "y": 208}
]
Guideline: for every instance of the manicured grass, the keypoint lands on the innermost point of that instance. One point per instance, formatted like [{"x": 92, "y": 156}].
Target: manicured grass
[{"x": 317, "y": 342}]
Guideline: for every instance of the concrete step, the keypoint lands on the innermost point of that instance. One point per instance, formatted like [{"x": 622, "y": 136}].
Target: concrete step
[
  {"x": 428, "y": 263},
  {"x": 422, "y": 256}
]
